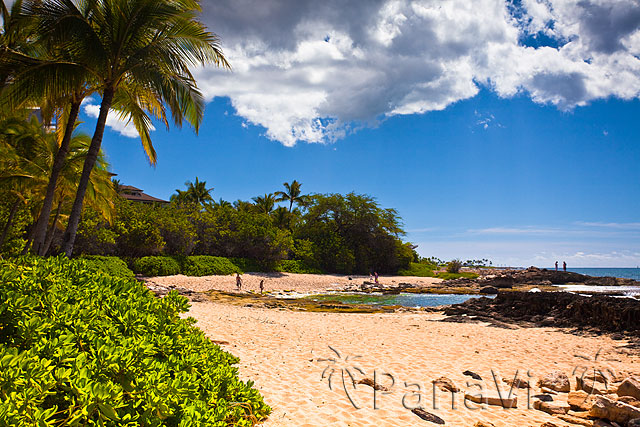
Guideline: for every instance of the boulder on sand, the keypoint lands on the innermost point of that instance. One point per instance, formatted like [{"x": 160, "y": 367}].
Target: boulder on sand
[
  {"x": 612, "y": 410},
  {"x": 556, "y": 380}
]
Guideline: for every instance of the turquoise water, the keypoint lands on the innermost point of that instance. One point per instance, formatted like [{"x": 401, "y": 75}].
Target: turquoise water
[
  {"x": 405, "y": 300},
  {"x": 627, "y": 273}
]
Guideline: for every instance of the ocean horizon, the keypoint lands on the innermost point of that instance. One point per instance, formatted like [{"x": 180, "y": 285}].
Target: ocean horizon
[{"x": 626, "y": 273}]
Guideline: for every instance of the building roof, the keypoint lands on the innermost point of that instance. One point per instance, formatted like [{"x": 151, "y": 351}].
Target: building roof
[{"x": 134, "y": 194}]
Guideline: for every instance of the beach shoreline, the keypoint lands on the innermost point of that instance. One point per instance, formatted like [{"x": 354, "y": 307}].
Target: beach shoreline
[{"x": 291, "y": 354}]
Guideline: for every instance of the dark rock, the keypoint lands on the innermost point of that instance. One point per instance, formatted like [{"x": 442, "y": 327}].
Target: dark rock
[
  {"x": 543, "y": 397},
  {"x": 370, "y": 383},
  {"x": 446, "y": 384},
  {"x": 566, "y": 309},
  {"x": 472, "y": 375},
  {"x": 489, "y": 290},
  {"x": 427, "y": 416}
]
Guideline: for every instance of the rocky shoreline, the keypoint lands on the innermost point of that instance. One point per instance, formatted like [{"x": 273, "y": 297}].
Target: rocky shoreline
[{"x": 562, "y": 309}]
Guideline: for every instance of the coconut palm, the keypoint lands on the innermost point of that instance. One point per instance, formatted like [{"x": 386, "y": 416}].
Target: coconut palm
[
  {"x": 265, "y": 204},
  {"x": 292, "y": 195},
  {"x": 28, "y": 151},
  {"x": 196, "y": 193},
  {"x": 146, "y": 46}
]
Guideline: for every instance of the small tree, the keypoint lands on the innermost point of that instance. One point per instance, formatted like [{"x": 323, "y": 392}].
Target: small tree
[{"x": 454, "y": 266}]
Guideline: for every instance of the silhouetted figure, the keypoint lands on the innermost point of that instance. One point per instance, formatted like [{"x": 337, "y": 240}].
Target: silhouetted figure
[
  {"x": 238, "y": 282},
  {"x": 564, "y": 266},
  {"x": 375, "y": 276},
  {"x": 262, "y": 286},
  {"x": 556, "y": 265}
]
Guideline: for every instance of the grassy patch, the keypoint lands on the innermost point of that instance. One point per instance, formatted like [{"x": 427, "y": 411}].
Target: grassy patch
[{"x": 418, "y": 269}]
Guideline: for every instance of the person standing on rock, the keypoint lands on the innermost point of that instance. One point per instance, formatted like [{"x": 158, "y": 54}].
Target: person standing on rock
[
  {"x": 556, "y": 265},
  {"x": 564, "y": 266}
]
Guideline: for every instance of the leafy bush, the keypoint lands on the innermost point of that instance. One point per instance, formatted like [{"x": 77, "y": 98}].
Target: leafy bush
[
  {"x": 246, "y": 265},
  {"x": 454, "y": 266},
  {"x": 417, "y": 269},
  {"x": 156, "y": 266},
  {"x": 78, "y": 348},
  {"x": 110, "y": 265},
  {"x": 204, "y": 265},
  {"x": 296, "y": 266}
]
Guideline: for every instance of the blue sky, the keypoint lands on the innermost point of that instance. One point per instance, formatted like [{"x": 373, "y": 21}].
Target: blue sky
[
  {"x": 536, "y": 184},
  {"x": 498, "y": 129}
]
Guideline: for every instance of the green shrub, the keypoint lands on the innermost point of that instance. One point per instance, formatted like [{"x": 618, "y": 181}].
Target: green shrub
[
  {"x": 78, "y": 348},
  {"x": 454, "y": 266},
  {"x": 418, "y": 270},
  {"x": 205, "y": 265},
  {"x": 296, "y": 266},
  {"x": 156, "y": 266},
  {"x": 247, "y": 265},
  {"x": 110, "y": 265}
]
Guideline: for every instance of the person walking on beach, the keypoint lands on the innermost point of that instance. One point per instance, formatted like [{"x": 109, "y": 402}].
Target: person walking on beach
[
  {"x": 262, "y": 286},
  {"x": 556, "y": 265},
  {"x": 564, "y": 266},
  {"x": 375, "y": 276},
  {"x": 238, "y": 282}
]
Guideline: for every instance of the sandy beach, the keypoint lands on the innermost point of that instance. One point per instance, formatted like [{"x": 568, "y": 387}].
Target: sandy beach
[
  {"x": 302, "y": 283},
  {"x": 286, "y": 354}
]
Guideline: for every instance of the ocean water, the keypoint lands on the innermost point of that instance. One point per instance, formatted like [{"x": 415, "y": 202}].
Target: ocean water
[
  {"x": 627, "y": 273},
  {"x": 403, "y": 299}
]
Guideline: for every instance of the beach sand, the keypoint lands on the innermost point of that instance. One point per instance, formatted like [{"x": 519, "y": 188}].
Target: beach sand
[
  {"x": 285, "y": 353},
  {"x": 302, "y": 283}
]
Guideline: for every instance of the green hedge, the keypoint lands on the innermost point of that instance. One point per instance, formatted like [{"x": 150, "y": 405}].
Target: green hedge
[
  {"x": 111, "y": 265},
  {"x": 296, "y": 266},
  {"x": 418, "y": 269},
  {"x": 205, "y": 265},
  {"x": 79, "y": 348},
  {"x": 156, "y": 266},
  {"x": 246, "y": 265}
]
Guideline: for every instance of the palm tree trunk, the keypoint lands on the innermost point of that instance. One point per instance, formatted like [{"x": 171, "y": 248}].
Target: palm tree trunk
[
  {"x": 39, "y": 247},
  {"x": 90, "y": 161},
  {"x": 7, "y": 227},
  {"x": 52, "y": 231},
  {"x": 32, "y": 232}
]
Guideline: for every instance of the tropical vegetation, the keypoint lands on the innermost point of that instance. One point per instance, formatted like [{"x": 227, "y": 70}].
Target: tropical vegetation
[{"x": 80, "y": 347}]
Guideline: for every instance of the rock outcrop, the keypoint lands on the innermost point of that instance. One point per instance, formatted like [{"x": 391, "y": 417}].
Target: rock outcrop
[{"x": 555, "y": 309}]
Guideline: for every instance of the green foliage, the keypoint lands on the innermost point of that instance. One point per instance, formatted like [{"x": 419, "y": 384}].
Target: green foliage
[
  {"x": 204, "y": 265},
  {"x": 418, "y": 270},
  {"x": 137, "y": 230},
  {"x": 352, "y": 234},
  {"x": 109, "y": 265},
  {"x": 296, "y": 266},
  {"x": 454, "y": 266},
  {"x": 156, "y": 266},
  {"x": 246, "y": 265},
  {"x": 78, "y": 348}
]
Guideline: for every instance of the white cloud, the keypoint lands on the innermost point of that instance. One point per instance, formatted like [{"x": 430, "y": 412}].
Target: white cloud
[
  {"x": 123, "y": 127},
  {"x": 314, "y": 71}
]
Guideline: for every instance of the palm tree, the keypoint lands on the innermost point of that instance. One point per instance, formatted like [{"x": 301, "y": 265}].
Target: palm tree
[
  {"x": 43, "y": 72},
  {"x": 292, "y": 195},
  {"x": 265, "y": 204},
  {"x": 282, "y": 218},
  {"x": 146, "y": 46},
  {"x": 196, "y": 193},
  {"x": 28, "y": 152}
]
